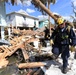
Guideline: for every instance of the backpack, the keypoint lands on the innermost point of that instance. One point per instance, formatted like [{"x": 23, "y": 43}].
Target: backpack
[{"x": 69, "y": 26}]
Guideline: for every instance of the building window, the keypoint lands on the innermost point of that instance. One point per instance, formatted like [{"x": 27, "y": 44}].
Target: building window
[
  {"x": 34, "y": 22},
  {"x": 9, "y": 17},
  {"x": 24, "y": 17}
]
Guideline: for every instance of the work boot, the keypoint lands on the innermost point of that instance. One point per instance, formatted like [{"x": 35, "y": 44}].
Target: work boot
[
  {"x": 65, "y": 70},
  {"x": 54, "y": 56}
]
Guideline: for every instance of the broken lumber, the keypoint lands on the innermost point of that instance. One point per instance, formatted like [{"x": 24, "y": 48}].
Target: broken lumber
[
  {"x": 3, "y": 62},
  {"x": 31, "y": 65},
  {"x": 26, "y": 57}
]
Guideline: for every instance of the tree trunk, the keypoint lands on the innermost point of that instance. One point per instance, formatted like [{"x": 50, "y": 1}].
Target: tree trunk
[
  {"x": 48, "y": 15},
  {"x": 38, "y": 2}
]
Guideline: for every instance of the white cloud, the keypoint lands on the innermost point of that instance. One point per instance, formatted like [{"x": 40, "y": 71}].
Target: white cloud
[
  {"x": 22, "y": 11},
  {"x": 30, "y": 10},
  {"x": 56, "y": 13},
  {"x": 24, "y": 3},
  {"x": 65, "y": 17},
  {"x": 68, "y": 18},
  {"x": 41, "y": 17},
  {"x": 28, "y": 2}
]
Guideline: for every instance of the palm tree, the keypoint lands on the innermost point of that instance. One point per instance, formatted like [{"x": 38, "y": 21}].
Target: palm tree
[
  {"x": 74, "y": 9},
  {"x": 73, "y": 17},
  {"x": 37, "y": 4}
]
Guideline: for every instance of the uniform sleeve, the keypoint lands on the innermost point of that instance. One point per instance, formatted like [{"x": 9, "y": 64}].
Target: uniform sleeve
[{"x": 73, "y": 37}]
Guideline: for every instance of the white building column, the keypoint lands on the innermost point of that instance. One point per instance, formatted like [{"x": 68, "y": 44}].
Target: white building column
[
  {"x": 2, "y": 32},
  {"x": 9, "y": 32}
]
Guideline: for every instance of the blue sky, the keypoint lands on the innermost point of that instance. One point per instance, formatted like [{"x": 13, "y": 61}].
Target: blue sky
[{"x": 61, "y": 7}]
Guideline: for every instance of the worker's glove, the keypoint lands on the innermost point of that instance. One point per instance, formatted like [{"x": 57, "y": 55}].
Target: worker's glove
[
  {"x": 72, "y": 48},
  {"x": 51, "y": 42},
  {"x": 48, "y": 36}
]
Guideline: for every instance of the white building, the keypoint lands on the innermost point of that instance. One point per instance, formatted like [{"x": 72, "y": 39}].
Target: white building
[
  {"x": 22, "y": 19},
  {"x": 2, "y": 19}
]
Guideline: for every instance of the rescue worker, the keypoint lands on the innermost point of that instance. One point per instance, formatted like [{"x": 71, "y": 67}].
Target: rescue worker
[
  {"x": 47, "y": 33},
  {"x": 46, "y": 37},
  {"x": 60, "y": 41}
]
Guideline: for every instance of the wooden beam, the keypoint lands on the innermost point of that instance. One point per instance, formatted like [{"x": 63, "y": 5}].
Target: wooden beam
[{"x": 31, "y": 65}]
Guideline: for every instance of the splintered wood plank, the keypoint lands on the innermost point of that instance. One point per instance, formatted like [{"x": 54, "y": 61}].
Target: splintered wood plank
[
  {"x": 8, "y": 51},
  {"x": 3, "y": 62},
  {"x": 16, "y": 40},
  {"x": 26, "y": 57},
  {"x": 15, "y": 48}
]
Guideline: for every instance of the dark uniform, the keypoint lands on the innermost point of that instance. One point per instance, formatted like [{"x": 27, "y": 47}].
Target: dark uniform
[
  {"x": 46, "y": 37},
  {"x": 47, "y": 33},
  {"x": 62, "y": 39}
]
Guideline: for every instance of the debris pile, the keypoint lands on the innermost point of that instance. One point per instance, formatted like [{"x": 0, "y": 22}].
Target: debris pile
[
  {"x": 25, "y": 41},
  {"x": 34, "y": 59}
]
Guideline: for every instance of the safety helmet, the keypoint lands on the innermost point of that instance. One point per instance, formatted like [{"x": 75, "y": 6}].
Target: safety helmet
[{"x": 60, "y": 21}]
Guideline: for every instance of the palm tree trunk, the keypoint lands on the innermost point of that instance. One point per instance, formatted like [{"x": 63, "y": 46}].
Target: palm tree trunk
[
  {"x": 48, "y": 15},
  {"x": 38, "y": 2}
]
